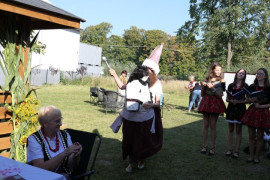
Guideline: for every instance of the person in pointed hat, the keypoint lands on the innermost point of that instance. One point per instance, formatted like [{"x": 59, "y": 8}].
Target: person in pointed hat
[{"x": 142, "y": 130}]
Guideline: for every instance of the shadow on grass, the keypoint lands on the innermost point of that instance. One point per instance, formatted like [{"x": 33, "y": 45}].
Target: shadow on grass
[
  {"x": 88, "y": 102},
  {"x": 180, "y": 158}
]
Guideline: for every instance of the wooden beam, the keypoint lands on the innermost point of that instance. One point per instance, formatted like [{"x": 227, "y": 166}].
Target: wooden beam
[
  {"x": 5, "y": 113},
  {"x": 5, "y": 97},
  {"x": 46, "y": 16},
  {"x": 5, "y": 143},
  {"x": 6, "y": 127},
  {"x": 5, "y": 154},
  {"x": 39, "y": 25}
]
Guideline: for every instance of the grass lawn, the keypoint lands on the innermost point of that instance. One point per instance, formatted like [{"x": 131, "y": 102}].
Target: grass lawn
[{"x": 180, "y": 157}]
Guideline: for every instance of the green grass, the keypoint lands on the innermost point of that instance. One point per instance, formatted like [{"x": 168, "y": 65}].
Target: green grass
[{"x": 180, "y": 156}]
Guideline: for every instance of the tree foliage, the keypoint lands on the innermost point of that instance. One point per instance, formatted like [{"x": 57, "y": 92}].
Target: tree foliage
[
  {"x": 231, "y": 30},
  {"x": 137, "y": 44},
  {"x": 96, "y": 35}
]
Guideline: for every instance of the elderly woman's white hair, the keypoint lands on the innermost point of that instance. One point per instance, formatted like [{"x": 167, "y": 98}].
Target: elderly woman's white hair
[
  {"x": 191, "y": 77},
  {"x": 46, "y": 113}
]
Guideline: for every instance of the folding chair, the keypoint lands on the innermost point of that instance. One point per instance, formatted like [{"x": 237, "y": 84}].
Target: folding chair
[
  {"x": 93, "y": 94},
  {"x": 90, "y": 143}
]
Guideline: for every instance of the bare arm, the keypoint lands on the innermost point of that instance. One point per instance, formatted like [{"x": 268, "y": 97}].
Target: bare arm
[
  {"x": 117, "y": 80},
  {"x": 257, "y": 105}
]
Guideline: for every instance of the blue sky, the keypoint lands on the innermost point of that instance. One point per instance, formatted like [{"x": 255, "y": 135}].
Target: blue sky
[{"x": 165, "y": 15}]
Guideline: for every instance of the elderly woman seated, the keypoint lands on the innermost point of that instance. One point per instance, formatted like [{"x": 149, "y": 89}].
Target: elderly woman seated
[{"x": 51, "y": 148}]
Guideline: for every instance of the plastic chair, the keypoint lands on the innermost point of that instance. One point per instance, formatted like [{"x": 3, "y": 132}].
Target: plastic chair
[
  {"x": 91, "y": 144},
  {"x": 113, "y": 101},
  {"x": 100, "y": 95}
]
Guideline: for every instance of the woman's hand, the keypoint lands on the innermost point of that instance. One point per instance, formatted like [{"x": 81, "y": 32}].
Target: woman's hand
[
  {"x": 210, "y": 85},
  {"x": 112, "y": 72},
  {"x": 148, "y": 105},
  {"x": 75, "y": 148},
  {"x": 251, "y": 100},
  {"x": 232, "y": 101},
  {"x": 79, "y": 150},
  {"x": 257, "y": 105},
  {"x": 204, "y": 83}
]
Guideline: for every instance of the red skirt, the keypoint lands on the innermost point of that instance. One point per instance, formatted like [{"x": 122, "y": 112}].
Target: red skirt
[
  {"x": 211, "y": 104},
  {"x": 257, "y": 117},
  {"x": 138, "y": 142}
]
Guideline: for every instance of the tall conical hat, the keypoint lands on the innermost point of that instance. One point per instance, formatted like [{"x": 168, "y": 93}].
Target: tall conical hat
[{"x": 153, "y": 60}]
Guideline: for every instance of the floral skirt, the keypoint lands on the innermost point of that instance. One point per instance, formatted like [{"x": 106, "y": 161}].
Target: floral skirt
[
  {"x": 211, "y": 104},
  {"x": 257, "y": 117},
  {"x": 138, "y": 142}
]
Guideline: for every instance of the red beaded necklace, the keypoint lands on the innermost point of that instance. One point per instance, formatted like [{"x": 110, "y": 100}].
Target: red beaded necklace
[{"x": 56, "y": 141}]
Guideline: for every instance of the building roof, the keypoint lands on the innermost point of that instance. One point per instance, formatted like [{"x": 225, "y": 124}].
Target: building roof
[
  {"x": 39, "y": 14},
  {"x": 45, "y": 6}
]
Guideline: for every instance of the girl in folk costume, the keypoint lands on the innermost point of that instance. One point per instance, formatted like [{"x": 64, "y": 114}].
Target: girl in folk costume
[
  {"x": 212, "y": 104},
  {"x": 142, "y": 127},
  {"x": 257, "y": 117},
  {"x": 235, "y": 111}
]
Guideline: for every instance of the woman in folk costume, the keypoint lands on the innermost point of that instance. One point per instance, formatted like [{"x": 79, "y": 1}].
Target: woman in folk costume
[
  {"x": 142, "y": 127},
  {"x": 51, "y": 148},
  {"x": 212, "y": 104},
  {"x": 257, "y": 116},
  {"x": 235, "y": 111}
]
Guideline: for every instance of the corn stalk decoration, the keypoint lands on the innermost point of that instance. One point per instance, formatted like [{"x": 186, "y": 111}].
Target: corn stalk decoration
[{"x": 24, "y": 103}]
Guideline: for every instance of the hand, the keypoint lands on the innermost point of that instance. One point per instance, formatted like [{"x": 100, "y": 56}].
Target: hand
[
  {"x": 234, "y": 101},
  {"x": 112, "y": 72},
  {"x": 147, "y": 105},
  {"x": 79, "y": 149},
  {"x": 257, "y": 105},
  {"x": 204, "y": 83},
  {"x": 210, "y": 85},
  {"x": 251, "y": 100},
  {"x": 74, "y": 148}
]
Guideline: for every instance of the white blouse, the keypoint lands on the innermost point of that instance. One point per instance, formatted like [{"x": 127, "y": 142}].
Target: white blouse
[{"x": 34, "y": 149}]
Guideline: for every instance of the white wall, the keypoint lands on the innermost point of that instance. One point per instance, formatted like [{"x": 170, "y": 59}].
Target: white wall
[
  {"x": 229, "y": 77},
  {"x": 62, "y": 49},
  {"x": 90, "y": 57}
]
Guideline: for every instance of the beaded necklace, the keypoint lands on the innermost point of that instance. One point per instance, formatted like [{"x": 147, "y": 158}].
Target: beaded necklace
[{"x": 56, "y": 141}]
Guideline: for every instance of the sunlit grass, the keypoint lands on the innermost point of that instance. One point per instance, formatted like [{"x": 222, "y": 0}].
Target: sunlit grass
[{"x": 180, "y": 156}]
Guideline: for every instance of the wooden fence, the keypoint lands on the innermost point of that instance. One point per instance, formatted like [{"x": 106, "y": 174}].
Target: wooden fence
[{"x": 6, "y": 125}]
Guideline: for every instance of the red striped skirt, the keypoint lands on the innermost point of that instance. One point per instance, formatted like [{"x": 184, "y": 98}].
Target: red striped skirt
[
  {"x": 211, "y": 104},
  {"x": 257, "y": 117}
]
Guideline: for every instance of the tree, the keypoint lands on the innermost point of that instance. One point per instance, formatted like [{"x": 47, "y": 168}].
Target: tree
[
  {"x": 96, "y": 35},
  {"x": 117, "y": 51},
  {"x": 134, "y": 38},
  {"x": 152, "y": 39},
  {"x": 230, "y": 29}
]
